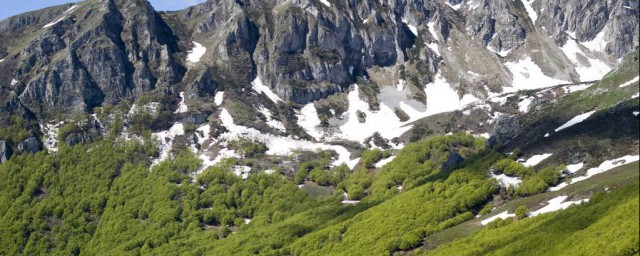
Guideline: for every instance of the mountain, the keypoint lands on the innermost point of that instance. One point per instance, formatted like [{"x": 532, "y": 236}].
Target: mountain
[{"x": 371, "y": 103}]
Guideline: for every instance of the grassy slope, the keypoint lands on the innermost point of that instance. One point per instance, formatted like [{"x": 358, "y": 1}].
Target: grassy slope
[
  {"x": 619, "y": 177},
  {"x": 607, "y": 225}
]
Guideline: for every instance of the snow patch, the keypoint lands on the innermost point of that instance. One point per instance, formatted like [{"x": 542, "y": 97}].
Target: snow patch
[
  {"x": 502, "y": 215},
  {"x": 442, "y": 98},
  {"x": 14, "y": 82},
  {"x": 572, "y": 168},
  {"x": 347, "y": 201},
  {"x": 604, "y": 166},
  {"x": 455, "y": 7},
  {"x": 308, "y": 119},
  {"x": 1, "y": 60},
  {"x": 535, "y": 160},
  {"x": 279, "y": 145},
  {"x": 241, "y": 171},
  {"x": 196, "y": 53},
  {"x": 165, "y": 141},
  {"x": 625, "y": 84},
  {"x": 325, "y": 2},
  {"x": 527, "y": 75},
  {"x": 532, "y": 13},
  {"x": 434, "y": 48},
  {"x": 506, "y": 181},
  {"x": 556, "y": 204},
  {"x": 384, "y": 162},
  {"x": 182, "y": 107},
  {"x": 259, "y": 87},
  {"x": 598, "y": 43},
  {"x": 275, "y": 124},
  {"x": 432, "y": 29},
  {"x": 218, "y": 98},
  {"x": 575, "y": 120},
  {"x": 413, "y": 28},
  {"x": 594, "y": 70},
  {"x": 64, "y": 16},
  {"x": 50, "y": 139},
  {"x": 524, "y": 104}
]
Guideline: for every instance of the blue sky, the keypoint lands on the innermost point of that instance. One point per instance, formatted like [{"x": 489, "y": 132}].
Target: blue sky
[{"x": 13, "y": 7}]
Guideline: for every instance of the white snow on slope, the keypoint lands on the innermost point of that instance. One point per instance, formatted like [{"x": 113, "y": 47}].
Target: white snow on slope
[
  {"x": 502, "y": 215},
  {"x": 308, "y": 119},
  {"x": 434, "y": 48},
  {"x": 524, "y": 104},
  {"x": 556, "y": 204},
  {"x": 442, "y": 98},
  {"x": 535, "y": 160},
  {"x": 275, "y": 124},
  {"x": 532, "y": 13},
  {"x": 1, "y": 60},
  {"x": 572, "y": 168},
  {"x": 506, "y": 181},
  {"x": 165, "y": 140},
  {"x": 196, "y": 53},
  {"x": 14, "y": 82},
  {"x": 50, "y": 139},
  {"x": 218, "y": 98},
  {"x": 325, "y": 2},
  {"x": 575, "y": 120},
  {"x": 384, "y": 162},
  {"x": 432, "y": 29},
  {"x": 630, "y": 82},
  {"x": 64, "y": 16},
  {"x": 527, "y": 75},
  {"x": 413, "y": 28},
  {"x": 605, "y": 166},
  {"x": 455, "y": 7},
  {"x": 575, "y": 88},
  {"x": 598, "y": 43},
  {"x": 279, "y": 145},
  {"x": 182, "y": 107},
  {"x": 259, "y": 87},
  {"x": 347, "y": 201},
  {"x": 635, "y": 95},
  {"x": 594, "y": 70}
]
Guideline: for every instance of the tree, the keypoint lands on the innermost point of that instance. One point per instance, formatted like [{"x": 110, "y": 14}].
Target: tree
[{"x": 522, "y": 212}]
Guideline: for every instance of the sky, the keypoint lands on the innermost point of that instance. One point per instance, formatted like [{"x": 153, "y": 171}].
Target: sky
[{"x": 13, "y": 7}]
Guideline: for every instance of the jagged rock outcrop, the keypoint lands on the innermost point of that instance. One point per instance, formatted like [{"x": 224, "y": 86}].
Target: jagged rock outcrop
[{"x": 29, "y": 145}]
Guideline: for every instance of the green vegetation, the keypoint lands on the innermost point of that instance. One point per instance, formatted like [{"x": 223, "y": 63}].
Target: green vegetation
[
  {"x": 16, "y": 129},
  {"x": 606, "y": 225},
  {"x": 533, "y": 182},
  {"x": 104, "y": 199}
]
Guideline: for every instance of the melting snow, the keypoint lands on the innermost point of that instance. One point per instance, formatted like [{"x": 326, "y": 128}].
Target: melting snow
[
  {"x": 575, "y": 88},
  {"x": 14, "y": 82},
  {"x": 196, "y": 53},
  {"x": 247, "y": 221},
  {"x": 325, "y": 2},
  {"x": 259, "y": 87},
  {"x": 598, "y": 43},
  {"x": 242, "y": 171},
  {"x": 556, "y": 204},
  {"x": 594, "y": 70},
  {"x": 524, "y": 104},
  {"x": 635, "y": 113},
  {"x": 275, "y": 124},
  {"x": 1, "y": 60},
  {"x": 432, "y": 30},
  {"x": 535, "y": 160},
  {"x": 630, "y": 82},
  {"x": 385, "y": 161},
  {"x": 347, "y": 201},
  {"x": 165, "y": 140},
  {"x": 506, "y": 181},
  {"x": 527, "y": 75},
  {"x": 635, "y": 95},
  {"x": 182, "y": 107},
  {"x": 502, "y": 215},
  {"x": 442, "y": 98},
  {"x": 64, "y": 16},
  {"x": 455, "y": 7},
  {"x": 218, "y": 98},
  {"x": 50, "y": 140},
  {"x": 308, "y": 119},
  {"x": 575, "y": 120},
  {"x": 278, "y": 145},
  {"x": 434, "y": 48},
  {"x": 572, "y": 168},
  {"x": 413, "y": 28},
  {"x": 605, "y": 166},
  {"x": 532, "y": 13}
]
